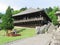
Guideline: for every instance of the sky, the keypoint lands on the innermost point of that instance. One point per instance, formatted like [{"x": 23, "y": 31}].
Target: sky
[{"x": 17, "y": 4}]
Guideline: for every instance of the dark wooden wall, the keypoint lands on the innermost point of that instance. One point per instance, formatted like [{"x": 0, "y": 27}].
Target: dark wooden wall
[{"x": 38, "y": 14}]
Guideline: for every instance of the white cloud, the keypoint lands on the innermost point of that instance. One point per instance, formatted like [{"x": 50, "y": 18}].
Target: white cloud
[
  {"x": 15, "y": 7},
  {"x": 3, "y": 7}
]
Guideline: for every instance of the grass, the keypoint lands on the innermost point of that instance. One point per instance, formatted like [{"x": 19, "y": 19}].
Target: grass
[{"x": 27, "y": 32}]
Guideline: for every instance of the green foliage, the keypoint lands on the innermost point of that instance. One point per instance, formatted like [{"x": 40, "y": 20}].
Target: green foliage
[
  {"x": 18, "y": 11},
  {"x": 23, "y": 9},
  {"x": 1, "y": 15},
  {"x": 49, "y": 10},
  {"x": 52, "y": 15},
  {"x": 7, "y": 20}
]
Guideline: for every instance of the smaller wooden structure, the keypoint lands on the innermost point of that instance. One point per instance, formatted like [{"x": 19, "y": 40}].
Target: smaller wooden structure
[{"x": 58, "y": 15}]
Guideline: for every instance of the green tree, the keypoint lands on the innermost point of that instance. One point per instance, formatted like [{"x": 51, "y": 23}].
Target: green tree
[
  {"x": 1, "y": 15},
  {"x": 7, "y": 20},
  {"x": 18, "y": 11},
  {"x": 52, "y": 15},
  {"x": 49, "y": 10},
  {"x": 15, "y": 11},
  {"x": 23, "y": 9}
]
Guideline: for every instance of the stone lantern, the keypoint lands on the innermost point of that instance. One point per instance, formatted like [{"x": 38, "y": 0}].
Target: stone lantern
[{"x": 58, "y": 15}]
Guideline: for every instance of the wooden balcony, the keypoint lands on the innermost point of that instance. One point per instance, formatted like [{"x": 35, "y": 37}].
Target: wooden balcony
[{"x": 32, "y": 19}]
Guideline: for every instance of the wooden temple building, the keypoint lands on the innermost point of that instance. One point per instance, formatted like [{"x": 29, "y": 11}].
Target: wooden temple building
[{"x": 31, "y": 18}]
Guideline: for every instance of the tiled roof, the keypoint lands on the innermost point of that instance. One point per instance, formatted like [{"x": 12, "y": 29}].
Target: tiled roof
[{"x": 30, "y": 10}]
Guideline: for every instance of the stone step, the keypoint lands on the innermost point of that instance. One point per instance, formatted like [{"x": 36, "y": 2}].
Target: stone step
[
  {"x": 56, "y": 37},
  {"x": 55, "y": 42}
]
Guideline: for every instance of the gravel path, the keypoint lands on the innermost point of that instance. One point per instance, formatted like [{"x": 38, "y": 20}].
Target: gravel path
[{"x": 42, "y": 39}]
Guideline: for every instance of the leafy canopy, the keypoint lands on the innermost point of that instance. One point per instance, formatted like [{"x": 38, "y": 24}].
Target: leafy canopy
[
  {"x": 7, "y": 20},
  {"x": 51, "y": 13}
]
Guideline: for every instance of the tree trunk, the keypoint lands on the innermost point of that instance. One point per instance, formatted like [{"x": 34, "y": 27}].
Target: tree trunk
[{"x": 8, "y": 32}]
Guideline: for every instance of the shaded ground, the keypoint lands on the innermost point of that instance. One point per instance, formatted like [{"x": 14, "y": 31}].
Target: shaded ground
[{"x": 42, "y": 39}]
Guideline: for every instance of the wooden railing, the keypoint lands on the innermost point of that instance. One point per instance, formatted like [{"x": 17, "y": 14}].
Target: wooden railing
[{"x": 33, "y": 19}]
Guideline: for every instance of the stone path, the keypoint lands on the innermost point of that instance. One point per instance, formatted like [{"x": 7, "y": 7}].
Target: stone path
[
  {"x": 41, "y": 39},
  {"x": 56, "y": 37}
]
